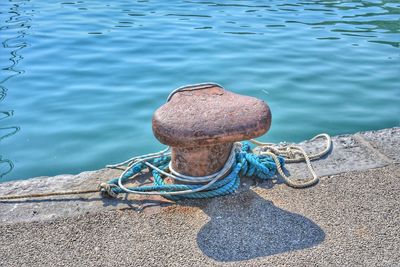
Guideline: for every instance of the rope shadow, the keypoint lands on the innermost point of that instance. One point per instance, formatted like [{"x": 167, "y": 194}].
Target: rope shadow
[
  {"x": 133, "y": 204},
  {"x": 246, "y": 226}
]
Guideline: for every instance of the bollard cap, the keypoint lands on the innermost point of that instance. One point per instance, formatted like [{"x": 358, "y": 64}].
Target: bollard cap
[{"x": 208, "y": 116}]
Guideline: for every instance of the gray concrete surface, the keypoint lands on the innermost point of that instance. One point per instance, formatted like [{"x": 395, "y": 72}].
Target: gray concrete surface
[{"x": 351, "y": 218}]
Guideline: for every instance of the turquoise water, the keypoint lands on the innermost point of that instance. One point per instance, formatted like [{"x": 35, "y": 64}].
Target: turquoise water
[{"x": 81, "y": 79}]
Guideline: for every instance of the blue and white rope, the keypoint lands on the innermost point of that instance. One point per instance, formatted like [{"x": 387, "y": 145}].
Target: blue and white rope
[{"x": 244, "y": 163}]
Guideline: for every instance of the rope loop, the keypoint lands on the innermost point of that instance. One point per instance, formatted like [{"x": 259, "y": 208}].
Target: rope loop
[
  {"x": 265, "y": 164},
  {"x": 243, "y": 162}
]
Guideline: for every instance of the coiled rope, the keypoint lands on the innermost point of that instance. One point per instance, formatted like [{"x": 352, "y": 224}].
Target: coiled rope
[
  {"x": 293, "y": 154},
  {"x": 263, "y": 165}
]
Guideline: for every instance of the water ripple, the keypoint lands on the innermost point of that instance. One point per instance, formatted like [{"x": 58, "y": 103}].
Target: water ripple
[
  {"x": 14, "y": 29},
  {"x": 79, "y": 80}
]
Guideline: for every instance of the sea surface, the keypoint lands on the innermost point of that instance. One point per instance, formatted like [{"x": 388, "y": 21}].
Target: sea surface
[{"x": 80, "y": 80}]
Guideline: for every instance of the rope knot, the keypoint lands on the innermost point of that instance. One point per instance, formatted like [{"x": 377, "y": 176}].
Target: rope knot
[
  {"x": 106, "y": 190},
  {"x": 261, "y": 166}
]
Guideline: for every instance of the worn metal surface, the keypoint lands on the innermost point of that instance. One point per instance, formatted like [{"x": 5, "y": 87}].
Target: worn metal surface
[
  {"x": 200, "y": 126},
  {"x": 202, "y": 160},
  {"x": 210, "y": 116}
]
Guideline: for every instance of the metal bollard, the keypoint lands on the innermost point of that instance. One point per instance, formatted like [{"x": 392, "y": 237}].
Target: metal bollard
[{"x": 202, "y": 122}]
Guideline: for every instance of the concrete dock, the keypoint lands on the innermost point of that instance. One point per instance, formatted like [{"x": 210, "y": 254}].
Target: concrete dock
[{"x": 350, "y": 218}]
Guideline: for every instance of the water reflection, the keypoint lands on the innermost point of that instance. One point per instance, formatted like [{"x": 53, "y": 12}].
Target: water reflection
[
  {"x": 350, "y": 18},
  {"x": 13, "y": 32},
  {"x": 6, "y": 166},
  {"x": 379, "y": 17}
]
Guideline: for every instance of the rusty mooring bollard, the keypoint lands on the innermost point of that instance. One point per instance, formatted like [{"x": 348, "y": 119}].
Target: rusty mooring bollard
[{"x": 201, "y": 123}]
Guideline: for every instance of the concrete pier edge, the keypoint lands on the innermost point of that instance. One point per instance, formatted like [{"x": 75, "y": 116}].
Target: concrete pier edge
[
  {"x": 350, "y": 153},
  {"x": 350, "y": 218}
]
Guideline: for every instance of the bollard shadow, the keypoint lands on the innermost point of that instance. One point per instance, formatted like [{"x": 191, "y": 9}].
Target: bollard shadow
[{"x": 246, "y": 226}]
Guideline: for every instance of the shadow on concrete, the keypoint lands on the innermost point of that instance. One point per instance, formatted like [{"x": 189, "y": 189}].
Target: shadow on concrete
[
  {"x": 246, "y": 226},
  {"x": 136, "y": 204}
]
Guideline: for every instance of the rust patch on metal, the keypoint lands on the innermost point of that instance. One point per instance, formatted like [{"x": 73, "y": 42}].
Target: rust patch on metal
[
  {"x": 201, "y": 125},
  {"x": 210, "y": 116},
  {"x": 202, "y": 160}
]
